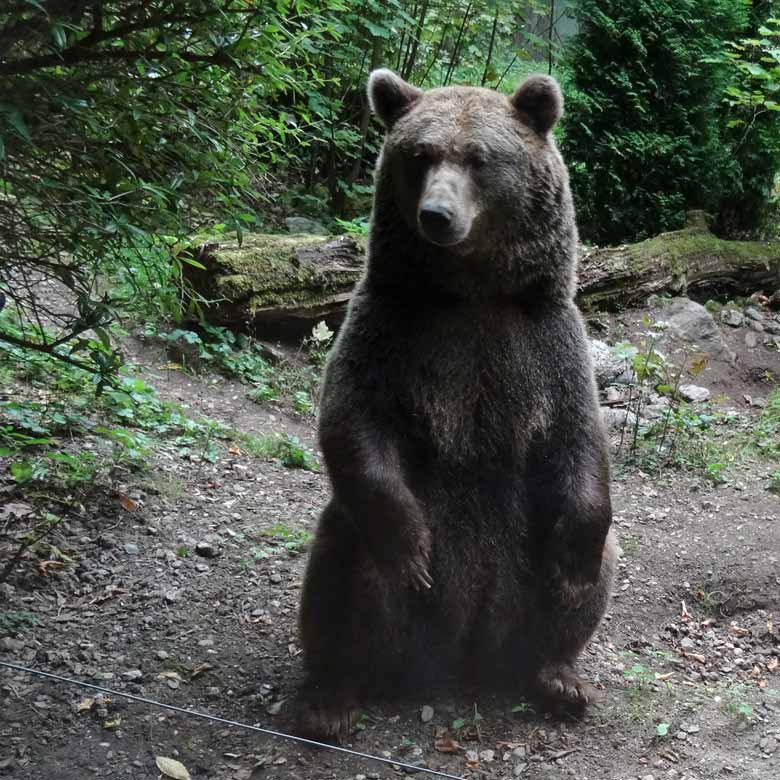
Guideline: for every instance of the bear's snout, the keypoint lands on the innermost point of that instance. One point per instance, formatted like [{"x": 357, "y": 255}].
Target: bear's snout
[
  {"x": 435, "y": 218},
  {"x": 444, "y": 216}
]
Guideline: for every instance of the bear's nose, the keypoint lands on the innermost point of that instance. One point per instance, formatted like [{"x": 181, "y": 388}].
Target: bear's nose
[{"x": 435, "y": 217}]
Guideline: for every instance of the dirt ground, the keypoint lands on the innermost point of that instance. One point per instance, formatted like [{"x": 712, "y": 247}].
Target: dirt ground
[{"x": 688, "y": 654}]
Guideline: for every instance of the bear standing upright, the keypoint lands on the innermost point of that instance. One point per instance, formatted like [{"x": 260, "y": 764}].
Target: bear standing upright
[{"x": 469, "y": 528}]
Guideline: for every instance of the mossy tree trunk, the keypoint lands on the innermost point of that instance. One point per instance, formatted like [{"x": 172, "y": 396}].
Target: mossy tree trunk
[
  {"x": 686, "y": 261},
  {"x": 283, "y": 285}
]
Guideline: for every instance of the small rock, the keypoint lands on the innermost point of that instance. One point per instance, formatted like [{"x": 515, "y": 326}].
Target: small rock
[
  {"x": 694, "y": 393},
  {"x": 613, "y": 395},
  {"x": 133, "y": 674},
  {"x": 269, "y": 352},
  {"x": 472, "y": 756},
  {"x": 426, "y": 714},
  {"x": 131, "y": 548},
  {"x": 519, "y": 752},
  {"x": 768, "y": 745},
  {"x": 487, "y": 756},
  {"x": 751, "y": 339},
  {"x": 519, "y": 769},
  {"x": 732, "y": 317},
  {"x": 206, "y": 550},
  {"x": 207, "y": 642},
  {"x": 275, "y": 578},
  {"x": 772, "y": 327},
  {"x": 12, "y": 645},
  {"x": 212, "y": 692},
  {"x": 274, "y": 709},
  {"x": 758, "y": 327},
  {"x": 617, "y": 419},
  {"x": 689, "y": 728},
  {"x": 681, "y": 735},
  {"x": 687, "y": 643},
  {"x": 753, "y": 314},
  {"x": 162, "y": 654},
  {"x": 172, "y": 596},
  {"x": 608, "y": 367}
]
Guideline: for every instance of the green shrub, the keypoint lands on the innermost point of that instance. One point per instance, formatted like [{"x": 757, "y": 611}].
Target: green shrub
[{"x": 642, "y": 134}]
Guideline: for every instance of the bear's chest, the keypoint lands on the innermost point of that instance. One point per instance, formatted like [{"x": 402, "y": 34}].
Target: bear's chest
[{"x": 474, "y": 385}]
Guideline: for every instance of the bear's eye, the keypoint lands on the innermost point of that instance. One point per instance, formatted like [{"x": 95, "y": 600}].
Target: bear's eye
[
  {"x": 422, "y": 153},
  {"x": 476, "y": 157},
  {"x": 477, "y": 160}
]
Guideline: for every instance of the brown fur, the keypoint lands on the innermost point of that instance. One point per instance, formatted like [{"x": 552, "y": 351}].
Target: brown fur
[{"x": 468, "y": 528}]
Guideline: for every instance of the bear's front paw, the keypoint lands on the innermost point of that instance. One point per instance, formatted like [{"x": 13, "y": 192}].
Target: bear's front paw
[
  {"x": 417, "y": 569},
  {"x": 576, "y": 581},
  {"x": 576, "y": 591},
  {"x": 563, "y": 690}
]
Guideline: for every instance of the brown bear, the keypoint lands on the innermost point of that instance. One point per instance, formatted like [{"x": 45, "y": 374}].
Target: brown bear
[{"x": 469, "y": 524}]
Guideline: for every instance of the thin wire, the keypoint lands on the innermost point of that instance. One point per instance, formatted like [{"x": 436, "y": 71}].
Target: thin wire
[{"x": 216, "y": 719}]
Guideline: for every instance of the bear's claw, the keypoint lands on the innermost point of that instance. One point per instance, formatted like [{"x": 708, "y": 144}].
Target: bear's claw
[
  {"x": 563, "y": 690},
  {"x": 327, "y": 721}
]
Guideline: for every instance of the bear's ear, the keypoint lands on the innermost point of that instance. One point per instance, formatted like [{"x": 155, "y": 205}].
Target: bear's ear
[
  {"x": 390, "y": 96},
  {"x": 539, "y": 102}
]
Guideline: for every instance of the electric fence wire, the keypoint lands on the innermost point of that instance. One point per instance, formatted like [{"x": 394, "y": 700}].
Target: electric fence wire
[{"x": 247, "y": 726}]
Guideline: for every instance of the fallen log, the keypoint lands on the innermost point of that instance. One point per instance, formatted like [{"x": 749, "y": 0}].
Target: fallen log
[
  {"x": 276, "y": 284},
  {"x": 284, "y": 284},
  {"x": 691, "y": 261}
]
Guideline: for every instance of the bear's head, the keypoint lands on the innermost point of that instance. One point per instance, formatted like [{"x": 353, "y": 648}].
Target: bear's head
[{"x": 471, "y": 192}]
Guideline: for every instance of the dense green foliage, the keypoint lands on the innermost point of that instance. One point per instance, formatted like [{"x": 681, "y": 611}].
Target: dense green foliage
[
  {"x": 126, "y": 125},
  {"x": 752, "y": 115},
  {"x": 642, "y": 137}
]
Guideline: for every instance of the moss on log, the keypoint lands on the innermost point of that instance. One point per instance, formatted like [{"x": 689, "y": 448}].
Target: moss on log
[
  {"x": 680, "y": 262},
  {"x": 277, "y": 284}
]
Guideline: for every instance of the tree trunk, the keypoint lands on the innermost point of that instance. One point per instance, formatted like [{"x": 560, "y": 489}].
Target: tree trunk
[{"x": 283, "y": 285}]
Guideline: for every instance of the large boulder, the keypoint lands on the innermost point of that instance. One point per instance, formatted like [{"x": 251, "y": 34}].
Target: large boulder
[{"x": 690, "y": 323}]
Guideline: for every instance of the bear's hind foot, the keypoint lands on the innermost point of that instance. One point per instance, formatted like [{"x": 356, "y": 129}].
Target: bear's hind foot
[
  {"x": 327, "y": 717},
  {"x": 563, "y": 691}
]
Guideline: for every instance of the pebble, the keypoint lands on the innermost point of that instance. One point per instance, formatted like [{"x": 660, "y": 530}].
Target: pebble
[
  {"x": 768, "y": 744},
  {"x": 687, "y": 643},
  {"x": 162, "y": 654},
  {"x": 131, "y": 548},
  {"x": 487, "y": 756},
  {"x": 472, "y": 756},
  {"x": 694, "y": 393},
  {"x": 519, "y": 769},
  {"x": 275, "y": 578},
  {"x": 753, "y": 314},
  {"x": 172, "y": 596},
  {"x": 426, "y": 714},
  {"x": 133, "y": 674},
  {"x": 206, "y": 550},
  {"x": 519, "y": 752},
  {"x": 12, "y": 645},
  {"x": 751, "y": 339},
  {"x": 732, "y": 317}
]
